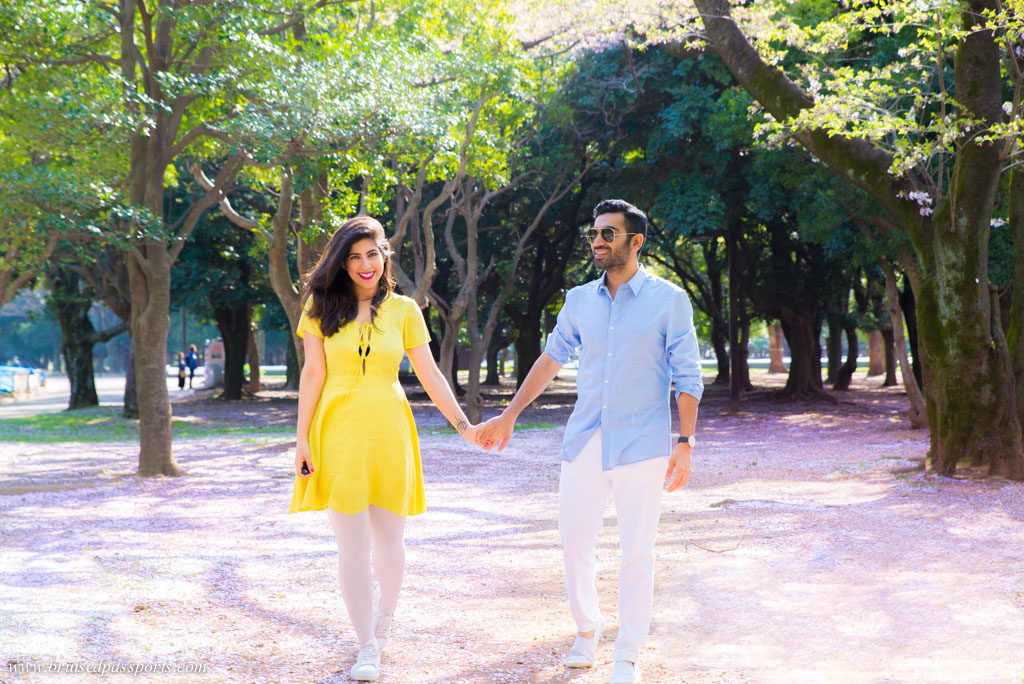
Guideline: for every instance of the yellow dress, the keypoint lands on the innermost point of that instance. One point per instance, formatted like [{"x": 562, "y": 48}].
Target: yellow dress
[{"x": 363, "y": 439}]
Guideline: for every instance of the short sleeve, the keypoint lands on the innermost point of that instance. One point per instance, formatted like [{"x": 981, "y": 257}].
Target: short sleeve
[
  {"x": 307, "y": 324},
  {"x": 414, "y": 328}
]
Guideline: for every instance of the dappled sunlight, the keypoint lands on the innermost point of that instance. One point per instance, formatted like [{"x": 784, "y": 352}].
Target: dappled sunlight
[{"x": 793, "y": 553}]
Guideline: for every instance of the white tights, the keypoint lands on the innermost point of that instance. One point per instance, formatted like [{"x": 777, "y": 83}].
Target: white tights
[{"x": 356, "y": 534}]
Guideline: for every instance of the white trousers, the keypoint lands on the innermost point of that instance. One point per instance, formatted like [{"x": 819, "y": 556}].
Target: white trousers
[{"x": 583, "y": 492}]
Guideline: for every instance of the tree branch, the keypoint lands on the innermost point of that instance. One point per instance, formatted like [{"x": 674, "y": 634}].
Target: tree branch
[
  {"x": 225, "y": 203},
  {"x": 862, "y": 162},
  {"x": 225, "y": 177}
]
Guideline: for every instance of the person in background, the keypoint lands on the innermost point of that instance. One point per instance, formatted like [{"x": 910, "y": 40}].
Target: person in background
[
  {"x": 181, "y": 370},
  {"x": 192, "y": 361}
]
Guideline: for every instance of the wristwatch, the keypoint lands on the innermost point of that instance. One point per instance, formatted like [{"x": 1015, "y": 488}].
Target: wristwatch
[{"x": 691, "y": 440}]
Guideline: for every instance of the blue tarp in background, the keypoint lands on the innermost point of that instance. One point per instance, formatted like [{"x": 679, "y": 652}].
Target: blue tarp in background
[{"x": 8, "y": 373}]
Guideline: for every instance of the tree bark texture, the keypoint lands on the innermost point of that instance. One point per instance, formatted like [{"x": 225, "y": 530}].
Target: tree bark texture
[
  {"x": 131, "y": 395},
  {"x": 720, "y": 342},
  {"x": 494, "y": 360},
  {"x": 252, "y": 351},
  {"x": 889, "y": 349},
  {"x": 834, "y": 349},
  {"x": 743, "y": 360},
  {"x": 77, "y": 337},
  {"x": 908, "y": 305},
  {"x": 292, "y": 367},
  {"x": 917, "y": 413},
  {"x": 527, "y": 347},
  {"x": 776, "y": 351},
  {"x": 844, "y": 375},
  {"x": 804, "y": 381},
  {"x": 1015, "y": 336},
  {"x": 234, "y": 325},
  {"x": 876, "y": 353}
]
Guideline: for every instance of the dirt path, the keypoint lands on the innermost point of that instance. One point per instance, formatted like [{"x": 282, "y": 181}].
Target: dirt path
[{"x": 794, "y": 554}]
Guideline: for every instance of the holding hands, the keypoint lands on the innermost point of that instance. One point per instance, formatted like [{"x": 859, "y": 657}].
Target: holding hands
[{"x": 496, "y": 432}]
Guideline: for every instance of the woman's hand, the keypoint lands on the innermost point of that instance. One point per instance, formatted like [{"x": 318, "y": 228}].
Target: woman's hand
[
  {"x": 472, "y": 434},
  {"x": 302, "y": 455}
]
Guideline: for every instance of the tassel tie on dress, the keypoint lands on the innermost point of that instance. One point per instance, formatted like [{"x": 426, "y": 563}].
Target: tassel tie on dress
[{"x": 364, "y": 344}]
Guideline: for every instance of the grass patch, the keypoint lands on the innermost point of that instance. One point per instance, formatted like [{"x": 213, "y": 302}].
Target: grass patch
[{"x": 105, "y": 424}]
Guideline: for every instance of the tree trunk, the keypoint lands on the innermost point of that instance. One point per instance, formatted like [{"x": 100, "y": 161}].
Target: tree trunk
[
  {"x": 845, "y": 374},
  {"x": 131, "y": 397},
  {"x": 834, "y": 346},
  {"x": 743, "y": 361},
  {"x": 253, "y": 352},
  {"x": 77, "y": 336},
  {"x": 908, "y": 305},
  {"x": 528, "y": 349},
  {"x": 76, "y": 348},
  {"x": 917, "y": 413},
  {"x": 448, "y": 358},
  {"x": 151, "y": 322},
  {"x": 1015, "y": 336},
  {"x": 876, "y": 353},
  {"x": 776, "y": 354},
  {"x": 719, "y": 342},
  {"x": 964, "y": 354},
  {"x": 804, "y": 381},
  {"x": 889, "y": 347},
  {"x": 291, "y": 376},
  {"x": 494, "y": 369},
  {"x": 474, "y": 401},
  {"x": 234, "y": 329}
]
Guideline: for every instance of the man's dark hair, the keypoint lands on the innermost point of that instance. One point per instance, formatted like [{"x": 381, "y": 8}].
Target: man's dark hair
[{"x": 636, "y": 220}]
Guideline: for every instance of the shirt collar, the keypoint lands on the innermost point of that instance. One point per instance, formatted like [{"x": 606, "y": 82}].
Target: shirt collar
[{"x": 635, "y": 283}]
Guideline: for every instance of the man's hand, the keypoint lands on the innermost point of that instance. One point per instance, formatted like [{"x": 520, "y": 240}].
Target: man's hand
[
  {"x": 678, "y": 467},
  {"x": 496, "y": 432}
]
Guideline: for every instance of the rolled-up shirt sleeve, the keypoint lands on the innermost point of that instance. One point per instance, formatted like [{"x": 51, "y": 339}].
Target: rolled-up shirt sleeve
[
  {"x": 682, "y": 350},
  {"x": 565, "y": 338}
]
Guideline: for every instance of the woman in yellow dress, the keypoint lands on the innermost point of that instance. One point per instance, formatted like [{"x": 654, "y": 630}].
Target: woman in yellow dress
[{"x": 357, "y": 452}]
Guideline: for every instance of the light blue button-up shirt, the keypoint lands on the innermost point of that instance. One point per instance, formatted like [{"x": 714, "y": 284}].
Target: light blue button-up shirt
[{"x": 631, "y": 348}]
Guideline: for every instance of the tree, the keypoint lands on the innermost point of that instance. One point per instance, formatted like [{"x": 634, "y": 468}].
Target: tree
[
  {"x": 71, "y": 302},
  {"x": 156, "y": 80},
  {"x": 219, "y": 276},
  {"x": 937, "y": 184}
]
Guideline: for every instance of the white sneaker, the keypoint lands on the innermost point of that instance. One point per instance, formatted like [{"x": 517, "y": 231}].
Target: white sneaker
[
  {"x": 367, "y": 667},
  {"x": 625, "y": 672},
  {"x": 582, "y": 652}
]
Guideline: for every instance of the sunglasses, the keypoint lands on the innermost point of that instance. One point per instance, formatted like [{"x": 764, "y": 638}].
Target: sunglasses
[{"x": 607, "y": 234}]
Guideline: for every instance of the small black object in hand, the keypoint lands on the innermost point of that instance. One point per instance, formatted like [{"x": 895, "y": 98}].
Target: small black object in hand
[{"x": 305, "y": 468}]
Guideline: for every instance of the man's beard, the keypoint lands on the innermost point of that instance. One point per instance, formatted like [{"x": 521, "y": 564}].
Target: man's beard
[{"x": 616, "y": 258}]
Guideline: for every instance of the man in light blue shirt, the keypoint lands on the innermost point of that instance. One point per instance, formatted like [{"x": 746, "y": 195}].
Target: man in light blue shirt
[{"x": 635, "y": 337}]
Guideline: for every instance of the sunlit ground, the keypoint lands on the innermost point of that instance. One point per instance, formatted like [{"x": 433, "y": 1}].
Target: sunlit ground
[{"x": 795, "y": 553}]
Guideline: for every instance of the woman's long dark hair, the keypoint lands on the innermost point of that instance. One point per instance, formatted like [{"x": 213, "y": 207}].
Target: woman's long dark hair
[{"x": 334, "y": 299}]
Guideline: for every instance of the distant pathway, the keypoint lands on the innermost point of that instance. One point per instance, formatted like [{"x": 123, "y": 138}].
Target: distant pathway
[{"x": 53, "y": 397}]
